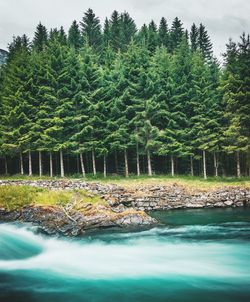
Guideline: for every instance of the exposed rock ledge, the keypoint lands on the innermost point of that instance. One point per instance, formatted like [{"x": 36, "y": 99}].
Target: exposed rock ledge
[
  {"x": 125, "y": 206},
  {"x": 57, "y": 220}
]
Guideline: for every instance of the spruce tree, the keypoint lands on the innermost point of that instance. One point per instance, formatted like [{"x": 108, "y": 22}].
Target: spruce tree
[
  {"x": 74, "y": 36},
  {"x": 176, "y": 34},
  {"x": 173, "y": 136},
  {"x": 163, "y": 33},
  {"x": 235, "y": 86},
  {"x": 40, "y": 38},
  {"x": 115, "y": 31},
  {"x": 152, "y": 36},
  {"x": 128, "y": 30},
  {"x": 91, "y": 29},
  {"x": 17, "y": 130},
  {"x": 194, "y": 37},
  {"x": 205, "y": 45}
]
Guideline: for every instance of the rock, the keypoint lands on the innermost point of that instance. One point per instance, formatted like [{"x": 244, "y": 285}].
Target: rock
[{"x": 228, "y": 202}]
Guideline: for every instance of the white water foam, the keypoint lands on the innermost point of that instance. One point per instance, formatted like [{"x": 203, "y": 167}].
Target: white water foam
[{"x": 142, "y": 256}]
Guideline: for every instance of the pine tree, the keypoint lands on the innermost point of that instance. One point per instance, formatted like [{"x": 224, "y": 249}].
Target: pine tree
[
  {"x": 176, "y": 34},
  {"x": 142, "y": 36},
  {"x": 40, "y": 38},
  {"x": 146, "y": 133},
  {"x": 163, "y": 33},
  {"x": 173, "y": 136},
  {"x": 91, "y": 29},
  {"x": 115, "y": 31},
  {"x": 205, "y": 45},
  {"x": 194, "y": 37},
  {"x": 62, "y": 37},
  {"x": 118, "y": 137},
  {"x": 17, "y": 120},
  {"x": 106, "y": 34},
  {"x": 136, "y": 62},
  {"x": 152, "y": 36},
  {"x": 88, "y": 113},
  {"x": 235, "y": 86},
  {"x": 74, "y": 36},
  {"x": 128, "y": 30},
  {"x": 204, "y": 124}
]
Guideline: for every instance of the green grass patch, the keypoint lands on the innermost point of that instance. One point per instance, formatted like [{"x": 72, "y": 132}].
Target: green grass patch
[
  {"x": 16, "y": 197},
  {"x": 120, "y": 178}
]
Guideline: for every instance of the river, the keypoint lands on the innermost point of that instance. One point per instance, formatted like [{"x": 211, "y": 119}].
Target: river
[{"x": 195, "y": 255}]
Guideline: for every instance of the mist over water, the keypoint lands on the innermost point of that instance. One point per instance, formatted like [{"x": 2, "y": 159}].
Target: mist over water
[{"x": 195, "y": 255}]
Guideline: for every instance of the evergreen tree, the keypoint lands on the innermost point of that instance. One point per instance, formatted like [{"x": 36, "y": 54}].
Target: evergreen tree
[
  {"x": 173, "y": 137},
  {"x": 235, "y": 86},
  {"x": 146, "y": 133},
  {"x": 17, "y": 119},
  {"x": 142, "y": 36},
  {"x": 194, "y": 37},
  {"x": 204, "y": 124},
  {"x": 91, "y": 29},
  {"x": 152, "y": 36},
  {"x": 115, "y": 31},
  {"x": 205, "y": 45},
  {"x": 163, "y": 33},
  {"x": 40, "y": 38},
  {"x": 128, "y": 30},
  {"x": 106, "y": 33},
  {"x": 176, "y": 34},
  {"x": 74, "y": 36}
]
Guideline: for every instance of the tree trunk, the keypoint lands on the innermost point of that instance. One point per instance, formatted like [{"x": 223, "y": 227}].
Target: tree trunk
[
  {"x": 30, "y": 164},
  {"x": 137, "y": 160},
  {"x": 116, "y": 163},
  {"x": 191, "y": 166},
  {"x": 82, "y": 165},
  {"x": 238, "y": 163},
  {"x": 104, "y": 166},
  {"x": 40, "y": 163},
  {"x": 77, "y": 164},
  {"x": 172, "y": 165},
  {"x": 51, "y": 164},
  {"x": 5, "y": 165},
  {"x": 215, "y": 165},
  {"x": 126, "y": 163},
  {"x": 61, "y": 163},
  {"x": 93, "y": 162},
  {"x": 21, "y": 163},
  {"x": 204, "y": 164},
  {"x": 149, "y": 163}
]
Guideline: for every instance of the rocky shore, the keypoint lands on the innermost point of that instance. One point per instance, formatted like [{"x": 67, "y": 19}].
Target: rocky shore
[{"x": 124, "y": 207}]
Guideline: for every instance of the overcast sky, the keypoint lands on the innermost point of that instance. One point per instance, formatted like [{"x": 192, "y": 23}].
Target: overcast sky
[{"x": 222, "y": 18}]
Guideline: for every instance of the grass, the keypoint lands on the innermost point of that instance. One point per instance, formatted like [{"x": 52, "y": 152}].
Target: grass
[
  {"x": 194, "y": 182},
  {"x": 16, "y": 197}
]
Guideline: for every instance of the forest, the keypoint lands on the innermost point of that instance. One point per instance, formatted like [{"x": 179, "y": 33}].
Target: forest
[{"x": 114, "y": 99}]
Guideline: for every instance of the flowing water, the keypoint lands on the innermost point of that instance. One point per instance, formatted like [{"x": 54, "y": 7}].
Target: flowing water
[{"x": 196, "y": 255}]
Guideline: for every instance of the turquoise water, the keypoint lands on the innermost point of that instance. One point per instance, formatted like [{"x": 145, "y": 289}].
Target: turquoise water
[{"x": 195, "y": 255}]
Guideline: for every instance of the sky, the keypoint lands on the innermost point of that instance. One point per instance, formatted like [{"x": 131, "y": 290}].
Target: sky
[{"x": 223, "y": 19}]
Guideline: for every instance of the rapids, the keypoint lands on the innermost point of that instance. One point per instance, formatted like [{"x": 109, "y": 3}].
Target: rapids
[{"x": 194, "y": 255}]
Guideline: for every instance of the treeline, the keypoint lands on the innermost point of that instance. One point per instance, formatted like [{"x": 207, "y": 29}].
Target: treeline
[{"x": 121, "y": 100}]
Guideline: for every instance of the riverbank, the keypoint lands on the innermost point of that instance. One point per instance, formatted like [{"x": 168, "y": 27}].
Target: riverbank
[{"x": 72, "y": 207}]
